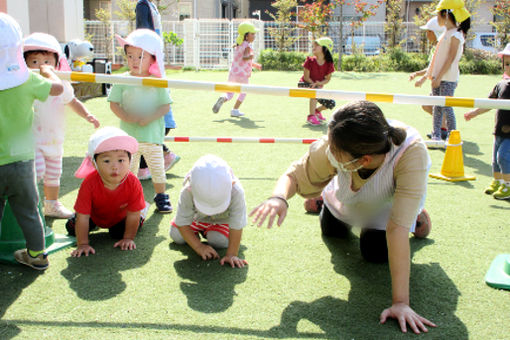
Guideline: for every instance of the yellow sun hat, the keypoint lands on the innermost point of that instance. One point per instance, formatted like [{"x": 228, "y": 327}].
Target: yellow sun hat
[
  {"x": 326, "y": 42},
  {"x": 245, "y": 27},
  {"x": 458, "y": 8}
]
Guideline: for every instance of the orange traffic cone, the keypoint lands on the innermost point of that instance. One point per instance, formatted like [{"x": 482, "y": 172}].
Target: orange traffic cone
[{"x": 452, "y": 169}]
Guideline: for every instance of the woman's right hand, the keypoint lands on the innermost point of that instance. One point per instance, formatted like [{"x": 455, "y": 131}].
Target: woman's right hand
[
  {"x": 420, "y": 82},
  {"x": 270, "y": 208}
]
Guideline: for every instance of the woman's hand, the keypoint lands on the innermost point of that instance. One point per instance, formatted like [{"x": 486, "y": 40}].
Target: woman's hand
[
  {"x": 234, "y": 261},
  {"x": 270, "y": 207},
  {"x": 412, "y": 76},
  {"x": 435, "y": 83},
  {"x": 420, "y": 82},
  {"x": 405, "y": 315}
]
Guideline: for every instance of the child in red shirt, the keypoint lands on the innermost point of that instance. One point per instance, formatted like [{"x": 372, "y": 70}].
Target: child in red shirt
[
  {"x": 111, "y": 196},
  {"x": 317, "y": 73}
]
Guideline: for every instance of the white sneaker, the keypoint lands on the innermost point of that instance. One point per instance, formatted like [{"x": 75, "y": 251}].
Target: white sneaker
[
  {"x": 236, "y": 113},
  {"x": 435, "y": 143},
  {"x": 56, "y": 209},
  {"x": 218, "y": 104}
]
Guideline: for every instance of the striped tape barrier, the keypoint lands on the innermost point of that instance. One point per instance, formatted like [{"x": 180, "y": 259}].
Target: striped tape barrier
[
  {"x": 286, "y": 91},
  {"x": 262, "y": 140}
]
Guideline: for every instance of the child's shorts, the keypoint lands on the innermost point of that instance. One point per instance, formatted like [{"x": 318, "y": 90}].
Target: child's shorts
[
  {"x": 203, "y": 228},
  {"x": 327, "y": 103},
  {"x": 116, "y": 231}
]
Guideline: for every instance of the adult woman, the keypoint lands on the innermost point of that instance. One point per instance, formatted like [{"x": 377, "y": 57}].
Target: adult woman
[{"x": 374, "y": 175}]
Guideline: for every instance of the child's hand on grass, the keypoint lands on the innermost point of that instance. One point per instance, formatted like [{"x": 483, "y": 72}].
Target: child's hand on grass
[
  {"x": 83, "y": 249},
  {"x": 405, "y": 315},
  {"x": 207, "y": 252},
  {"x": 125, "y": 244},
  {"x": 234, "y": 261}
]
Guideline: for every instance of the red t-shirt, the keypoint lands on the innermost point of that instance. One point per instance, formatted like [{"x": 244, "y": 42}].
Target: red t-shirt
[
  {"x": 317, "y": 72},
  {"x": 108, "y": 207}
]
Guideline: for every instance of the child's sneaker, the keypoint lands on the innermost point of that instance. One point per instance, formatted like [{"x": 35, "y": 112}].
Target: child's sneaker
[
  {"x": 236, "y": 113},
  {"x": 319, "y": 115},
  {"x": 56, "y": 209},
  {"x": 170, "y": 160},
  {"x": 493, "y": 187},
  {"x": 312, "y": 120},
  {"x": 435, "y": 143},
  {"x": 503, "y": 192},
  {"x": 143, "y": 174},
  {"x": 40, "y": 262},
  {"x": 219, "y": 103},
  {"x": 163, "y": 203}
]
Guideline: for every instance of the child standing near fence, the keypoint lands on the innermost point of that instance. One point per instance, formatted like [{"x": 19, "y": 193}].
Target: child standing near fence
[
  {"x": 242, "y": 64},
  {"x": 317, "y": 73},
  {"x": 141, "y": 108},
  {"x": 443, "y": 69},
  {"x": 49, "y": 120},
  {"x": 500, "y": 186}
]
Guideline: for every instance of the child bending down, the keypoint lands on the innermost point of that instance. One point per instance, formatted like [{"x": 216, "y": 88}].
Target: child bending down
[
  {"x": 212, "y": 205},
  {"x": 111, "y": 196}
]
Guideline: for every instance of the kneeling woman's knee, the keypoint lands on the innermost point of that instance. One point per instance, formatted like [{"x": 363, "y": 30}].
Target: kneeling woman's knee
[
  {"x": 217, "y": 239},
  {"x": 175, "y": 234}
]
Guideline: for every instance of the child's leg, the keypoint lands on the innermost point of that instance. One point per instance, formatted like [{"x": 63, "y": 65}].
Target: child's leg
[
  {"x": 52, "y": 176},
  {"x": 312, "y": 106},
  {"x": 153, "y": 154},
  {"x": 503, "y": 159},
  {"x": 239, "y": 101},
  {"x": 117, "y": 231},
  {"x": 447, "y": 88},
  {"x": 176, "y": 235},
  {"x": 40, "y": 165},
  {"x": 217, "y": 235},
  {"x": 135, "y": 162}
]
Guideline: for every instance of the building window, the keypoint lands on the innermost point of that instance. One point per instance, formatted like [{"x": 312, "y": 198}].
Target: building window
[{"x": 184, "y": 11}]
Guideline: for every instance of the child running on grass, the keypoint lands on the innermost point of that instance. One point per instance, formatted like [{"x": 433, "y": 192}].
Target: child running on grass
[
  {"x": 141, "y": 108},
  {"x": 49, "y": 120},
  {"x": 242, "y": 64},
  {"x": 111, "y": 196},
  {"x": 317, "y": 73},
  {"x": 500, "y": 186},
  {"x": 19, "y": 88},
  {"x": 211, "y": 204}
]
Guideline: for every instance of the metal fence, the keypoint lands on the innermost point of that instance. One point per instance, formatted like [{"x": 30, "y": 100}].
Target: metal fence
[{"x": 208, "y": 42}]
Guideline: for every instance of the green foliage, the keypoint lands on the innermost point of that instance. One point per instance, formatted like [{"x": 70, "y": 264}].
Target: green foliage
[
  {"x": 172, "y": 38},
  {"x": 479, "y": 62},
  {"x": 281, "y": 61},
  {"x": 393, "y": 26},
  {"x": 283, "y": 33}
]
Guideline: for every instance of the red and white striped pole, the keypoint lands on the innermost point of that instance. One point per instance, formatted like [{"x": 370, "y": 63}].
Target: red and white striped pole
[{"x": 263, "y": 140}]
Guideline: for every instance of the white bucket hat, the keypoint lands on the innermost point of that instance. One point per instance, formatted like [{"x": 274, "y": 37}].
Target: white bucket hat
[
  {"x": 506, "y": 51},
  {"x": 211, "y": 184},
  {"x": 45, "y": 42},
  {"x": 13, "y": 69},
  {"x": 148, "y": 41},
  {"x": 433, "y": 25},
  {"x": 105, "y": 139}
]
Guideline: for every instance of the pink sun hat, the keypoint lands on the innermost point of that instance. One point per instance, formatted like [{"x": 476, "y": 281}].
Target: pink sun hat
[
  {"x": 105, "y": 139},
  {"x": 13, "y": 69},
  {"x": 150, "y": 42},
  {"x": 45, "y": 42}
]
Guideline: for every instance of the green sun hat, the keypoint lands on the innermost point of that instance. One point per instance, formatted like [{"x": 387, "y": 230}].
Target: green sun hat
[
  {"x": 326, "y": 42},
  {"x": 498, "y": 275},
  {"x": 245, "y": 27}
]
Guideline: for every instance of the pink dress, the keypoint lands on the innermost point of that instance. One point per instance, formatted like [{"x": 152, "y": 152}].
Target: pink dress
[{"x": 240, "y": 71}]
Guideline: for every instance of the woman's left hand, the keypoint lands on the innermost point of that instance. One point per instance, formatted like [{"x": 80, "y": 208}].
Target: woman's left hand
[
  {"x": 435, "y": 83},
  {"x": 405, "y": 315}
]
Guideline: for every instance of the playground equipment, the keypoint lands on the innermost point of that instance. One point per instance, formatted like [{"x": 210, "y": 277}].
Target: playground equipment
[
  {"x": 498, "y": 275},
  {"x": 452, "y": 169}
]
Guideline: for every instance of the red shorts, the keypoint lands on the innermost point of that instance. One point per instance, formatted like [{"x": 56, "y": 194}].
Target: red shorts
[{"x": 204, "y": 228}]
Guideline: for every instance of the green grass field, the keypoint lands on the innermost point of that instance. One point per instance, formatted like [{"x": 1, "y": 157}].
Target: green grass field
[{"x": 297, "y": 284}]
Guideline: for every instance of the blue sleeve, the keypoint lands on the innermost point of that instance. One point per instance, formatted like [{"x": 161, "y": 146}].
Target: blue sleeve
[{"x": 143, "y": 16}]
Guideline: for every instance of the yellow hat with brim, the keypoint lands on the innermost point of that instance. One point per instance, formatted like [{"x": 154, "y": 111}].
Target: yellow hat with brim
[
  {"x": 457, "y": 7},
  {"x": 326, "y": 42},
  {"x": 245, "y": 27}
]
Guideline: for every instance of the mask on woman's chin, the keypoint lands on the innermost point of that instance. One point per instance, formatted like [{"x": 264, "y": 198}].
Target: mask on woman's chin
[{"x": 341, "y": 166}]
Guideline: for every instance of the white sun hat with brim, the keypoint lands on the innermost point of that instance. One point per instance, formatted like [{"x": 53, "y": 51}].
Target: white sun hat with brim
[
  {"x": 13, "y": 69},
  {"x": 433, "y": 25},
  {"x": 211, "y": 180},
  {"x": 505, "y": 52},
  {"x": 150, "y": 42},
  {"x": 45, "y": 42},
  {"x": 105, "y": 139}
]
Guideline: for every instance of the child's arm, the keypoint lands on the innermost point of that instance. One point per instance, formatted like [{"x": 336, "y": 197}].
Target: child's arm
[
  {"x": 82, "y": 236},
  {"x": 417, "y": 73},
  {"x": 452, "y": 52},
  {"x": 56, "y": 84},
  {"x": 473, "y": 113},
  {"x": 78, "y": 107},
  {"x": 326, "y": 80},
  {"x": 205, "y": 251},
  {"x": 234, "y": 241},
  {"x": 247, "y": 55},
  {"x": 123, "y": 115},
  {"x": 160, "y": 112},
  {"x": 306, "y": 77},
  {"x": 132, "y": 224}
]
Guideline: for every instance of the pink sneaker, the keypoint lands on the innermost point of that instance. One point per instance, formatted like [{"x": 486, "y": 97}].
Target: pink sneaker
[
  {"x": 170, "y": 160},
  {"x": 319, "y": 115},
  {"x": 312, "y": 120},
  {"x": 144, "y": 174}
]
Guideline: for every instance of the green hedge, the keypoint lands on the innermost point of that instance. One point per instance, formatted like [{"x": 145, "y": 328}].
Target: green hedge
[{"x": 394, "y": 60}]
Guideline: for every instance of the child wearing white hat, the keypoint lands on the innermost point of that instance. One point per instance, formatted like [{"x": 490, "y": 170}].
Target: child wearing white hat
[
  {"x": 49, "y": 120},
  {"x": 141, "y": 108},
  {"x": 19, "y": 88},
  {"x": 211, "y": 204},
  {"x": 500, "y": 186},
  {"x": 110, "y": 196}
]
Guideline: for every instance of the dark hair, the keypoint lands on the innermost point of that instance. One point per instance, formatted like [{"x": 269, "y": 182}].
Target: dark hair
[
  {"x": 44, "y": 52},
  {"x": 327, "y": 54},
  {"x": 461, "y": 27},
  {"x": 97, "y": 154},
  {"x": 360, "y": 128}
]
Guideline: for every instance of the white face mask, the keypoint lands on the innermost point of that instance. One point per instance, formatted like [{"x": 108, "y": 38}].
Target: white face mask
[{"x": 341, "y": 166}]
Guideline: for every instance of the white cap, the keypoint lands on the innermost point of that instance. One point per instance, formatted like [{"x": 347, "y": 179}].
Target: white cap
[
  {"x": 148, "y": 41},
  {"x": 13, "y": 69},
  {"x": 45, "y": 42},
  {"x": 433, "y": 25},
  {"x": 506, "y": 51},
  {"x": 211, "y": 184}
]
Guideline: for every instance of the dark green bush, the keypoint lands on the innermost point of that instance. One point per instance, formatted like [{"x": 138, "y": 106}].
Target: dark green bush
[{"x": 281, "y": 61}]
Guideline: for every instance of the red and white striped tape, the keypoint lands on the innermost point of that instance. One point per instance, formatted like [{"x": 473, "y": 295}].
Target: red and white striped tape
[{"x": 263, "y": 140}]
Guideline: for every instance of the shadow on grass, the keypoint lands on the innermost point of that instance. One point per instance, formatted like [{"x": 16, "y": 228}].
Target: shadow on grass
[
  {"x": 243, "y": 122},
  {"x": 209, "y": 287},
  {"x": 323, "y": 128},
  {"x": 433, "y": 294},
  {"x": 97, "y": 277}
]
